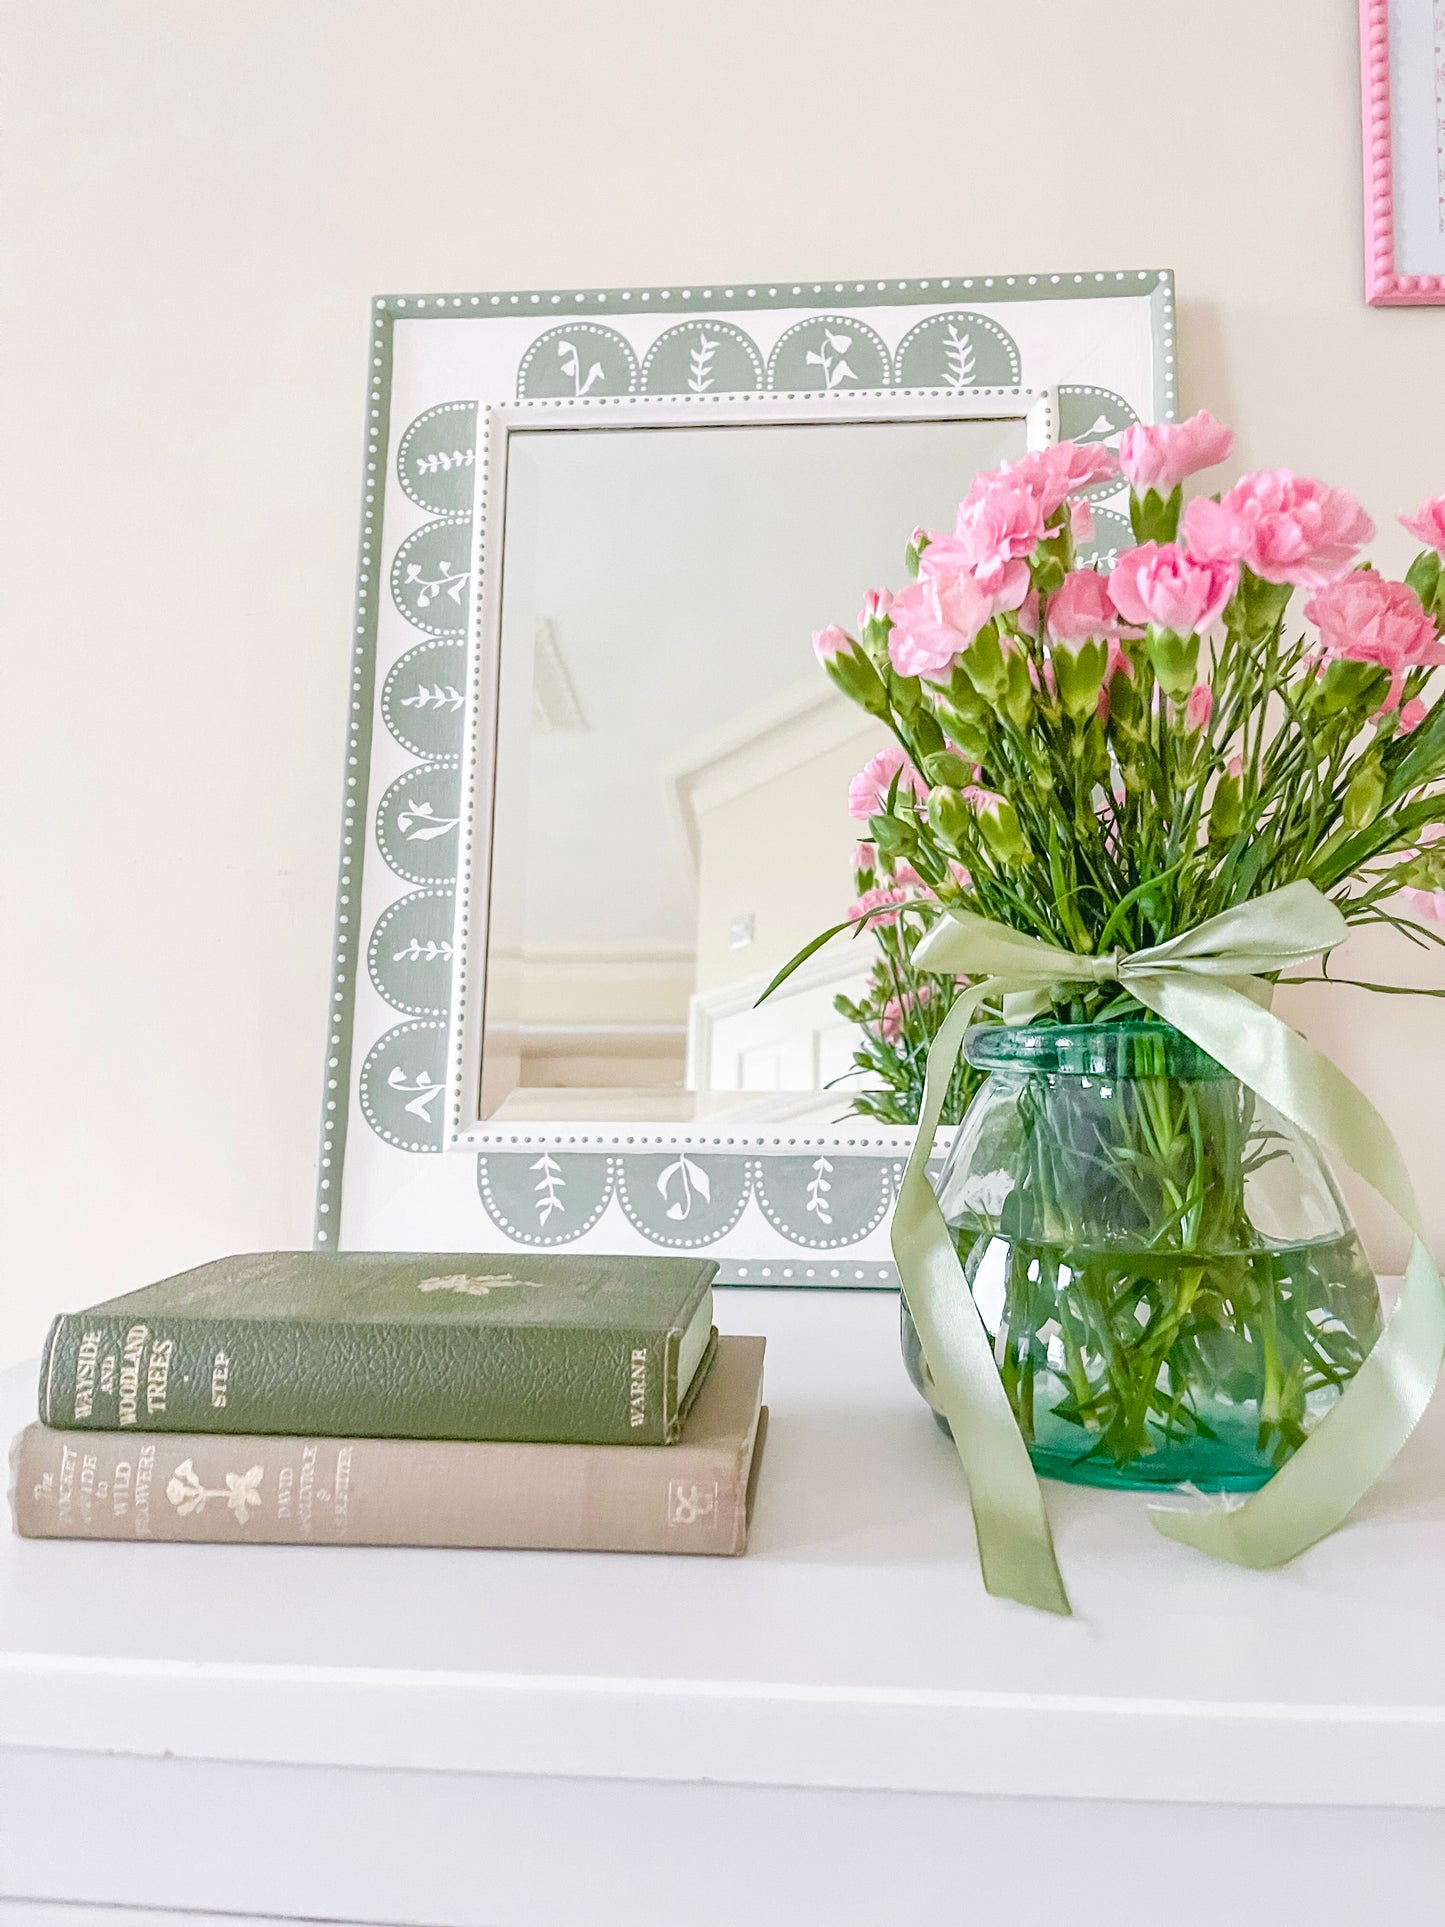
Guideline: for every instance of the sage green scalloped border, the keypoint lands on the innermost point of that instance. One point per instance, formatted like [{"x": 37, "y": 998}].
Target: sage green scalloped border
[
  {"x": 720, "y": 297},
  {"x": 356, "y": 788},
  {"x": 715, "y": 298}
]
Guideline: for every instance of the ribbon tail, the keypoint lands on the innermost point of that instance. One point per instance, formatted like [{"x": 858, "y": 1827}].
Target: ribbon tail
[
  {"x": 1316, "y": 1489},
  {"x": 1015, "y": 1545}
]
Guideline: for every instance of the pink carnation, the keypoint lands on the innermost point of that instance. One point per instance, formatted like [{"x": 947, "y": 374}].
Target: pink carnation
[
  {"x": 1412, "y": 714},
  {"x": 1427, "y": 524},
  {"x": 1082, "y": 525},
  {"x": 1285, "y": 527},
  {"x": 868, "y": 792},
  {"x": 876, "y": 604},
  {"x": 1161, "y": 454},
  {"x": 1427, "y": 906},
  {"x": 933, "y": 619},
  {"x": 1061, "y": 470},
  {"x": 1199, "y": 708},
  {"x": 1368, "y": 618},
  {"x": 1159, "y": 584},
  {"x": 894, "y": 1011},
  {"x": 1080, "y": 610},
  {"x": 880, "y": 899},
  {"x": 865, "y": 857},
  {"x": 831, "y": 642},
  {"x": 997, "y": 527},
  {"x": 1118, "y": 661}
]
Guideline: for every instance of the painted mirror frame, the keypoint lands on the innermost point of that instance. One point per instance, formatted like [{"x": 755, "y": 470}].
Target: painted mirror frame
[
  {"x": 1402, "y": 81},
  {"x": 1103, "y": 343}
]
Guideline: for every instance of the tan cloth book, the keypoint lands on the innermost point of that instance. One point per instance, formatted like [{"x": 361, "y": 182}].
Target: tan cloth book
[{"x": 694, "y": 1496}]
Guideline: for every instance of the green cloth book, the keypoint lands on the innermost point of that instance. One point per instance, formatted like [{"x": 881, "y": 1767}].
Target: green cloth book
[{"x": 436, "y": 1345}]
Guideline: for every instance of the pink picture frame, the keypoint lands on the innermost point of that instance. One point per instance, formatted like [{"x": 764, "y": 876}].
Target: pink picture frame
[{"x": 1402, "y": 75}]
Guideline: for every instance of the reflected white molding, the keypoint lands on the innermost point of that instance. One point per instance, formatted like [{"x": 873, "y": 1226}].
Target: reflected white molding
[
  {"x": 555, "y": 703},
  {"x": 835, "y": 969},
  {"x": 770, "y": 740}
]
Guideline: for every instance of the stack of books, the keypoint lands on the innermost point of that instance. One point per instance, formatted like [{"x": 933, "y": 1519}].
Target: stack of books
[{"x": 448, "y": 1399}]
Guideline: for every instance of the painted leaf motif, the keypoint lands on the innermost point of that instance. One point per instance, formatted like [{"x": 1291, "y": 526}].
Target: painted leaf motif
[{"x": 701, "y": 1183}]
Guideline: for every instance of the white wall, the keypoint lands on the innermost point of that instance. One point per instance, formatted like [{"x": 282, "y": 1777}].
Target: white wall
[{"x": 203, "y": 194}]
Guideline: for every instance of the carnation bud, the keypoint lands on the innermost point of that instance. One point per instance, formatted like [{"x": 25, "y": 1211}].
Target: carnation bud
[
  {"x": 1176, "y": 662},
  {"x": 1364, "y": 795},
  {"x": 950, "y": 818},
  {"x": 1226, "y": 809},
  {"x": 1423, "y": 576},
  {"x": 1427, "y": 871},
  {"x": 917, "y": 543},
  {"x": 1198, "y": 709},
  {"x": 851, "y": 671},
  {"x": 966, "y": 731},
  {"x": 1260, "y": 604},
  {"x": 1079, "y": 672},
  {"x": 999, "y": 671},
  {"x": 1002, "y": 831},
  {"x": 1351, "y": 688},
  {"x": 948, "y": 768},
  {"x": 1155, "y": 517},
  {"x": 892, "y": 836},
  {"x": 874, "y": 622}
]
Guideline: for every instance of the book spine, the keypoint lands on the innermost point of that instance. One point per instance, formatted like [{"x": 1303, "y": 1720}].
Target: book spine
[
  {"x": 399, "y": 1380},
  {"x": 380, "y": 1492}
]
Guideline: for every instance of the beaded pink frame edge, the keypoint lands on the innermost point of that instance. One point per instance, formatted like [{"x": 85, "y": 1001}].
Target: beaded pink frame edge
[{"x": 1383, "y": 286}]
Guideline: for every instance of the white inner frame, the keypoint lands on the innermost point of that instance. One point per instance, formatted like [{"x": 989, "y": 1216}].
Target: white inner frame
[{"x": 466, "y": 1130}]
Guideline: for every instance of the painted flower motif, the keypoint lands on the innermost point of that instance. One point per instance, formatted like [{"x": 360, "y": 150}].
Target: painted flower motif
[
  {"x": 1283, "y": 526},
  {"x": 1427, "y": 524},
  {"x": 1080, "y": 610},
  {"x": 868, "y": 792},
  {"x": 1159, "y": 584},
  {"x": 1160, "y": 455},
  {"x": 1368, "y": 618}
]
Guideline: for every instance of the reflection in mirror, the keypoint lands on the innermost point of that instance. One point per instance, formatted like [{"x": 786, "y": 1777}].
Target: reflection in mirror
[{"x": 670, "y": 820}]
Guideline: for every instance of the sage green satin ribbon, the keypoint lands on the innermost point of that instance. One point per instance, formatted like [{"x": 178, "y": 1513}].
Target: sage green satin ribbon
[{"x": 1206, "y": 983}]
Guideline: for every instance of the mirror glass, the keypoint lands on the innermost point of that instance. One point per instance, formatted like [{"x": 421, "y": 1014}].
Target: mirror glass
[{"x": 670, "y": 821}]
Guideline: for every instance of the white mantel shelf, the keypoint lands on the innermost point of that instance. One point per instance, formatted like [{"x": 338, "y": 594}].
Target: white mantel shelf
[{"x": 852, "y": 1649}]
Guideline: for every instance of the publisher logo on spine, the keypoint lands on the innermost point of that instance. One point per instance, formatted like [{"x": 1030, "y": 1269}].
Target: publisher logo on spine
[{"x": 690, "y": 1503}]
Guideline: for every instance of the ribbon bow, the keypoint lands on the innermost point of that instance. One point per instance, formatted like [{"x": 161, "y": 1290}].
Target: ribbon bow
[{"x": 1207, "y": 984}]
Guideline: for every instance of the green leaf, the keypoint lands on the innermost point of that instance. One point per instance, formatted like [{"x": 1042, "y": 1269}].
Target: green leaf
[
  {"x": 1424, "y": 757},
  {"x": 807, "y": 951}
]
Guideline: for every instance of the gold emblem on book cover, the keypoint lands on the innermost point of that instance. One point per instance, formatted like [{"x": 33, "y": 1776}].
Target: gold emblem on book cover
[
  {"x": 188, "y": 1495},
  {"x": 477, "y": 1287}
]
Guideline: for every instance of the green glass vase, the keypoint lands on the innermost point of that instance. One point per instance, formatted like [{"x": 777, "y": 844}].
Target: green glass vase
[{"x": 1169, "y": 1278}]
